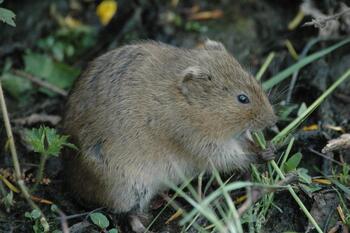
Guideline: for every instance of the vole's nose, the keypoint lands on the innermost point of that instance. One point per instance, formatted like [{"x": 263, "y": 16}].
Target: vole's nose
[{"x": 272, "y": 120}]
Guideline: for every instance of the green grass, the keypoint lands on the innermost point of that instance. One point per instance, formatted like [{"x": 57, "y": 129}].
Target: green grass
[{"x": 273, "y": 81}]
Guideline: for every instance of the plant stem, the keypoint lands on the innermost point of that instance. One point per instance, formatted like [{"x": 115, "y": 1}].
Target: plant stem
[
  {"x": 296, "y": 198},
  {"x": 40, "y": 173},
  {"x": 15, "y": 161},
  {"x": 265, "y": 66},
  {"x": 259, "y": 138}
]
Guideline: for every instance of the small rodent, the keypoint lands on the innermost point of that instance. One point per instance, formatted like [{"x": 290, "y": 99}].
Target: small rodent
[{"x": 144, "y": 113}]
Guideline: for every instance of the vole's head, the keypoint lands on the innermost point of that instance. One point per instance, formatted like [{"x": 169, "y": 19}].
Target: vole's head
[{"x": 223, "y": 100}]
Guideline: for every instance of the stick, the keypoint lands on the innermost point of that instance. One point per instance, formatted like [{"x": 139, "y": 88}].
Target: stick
[
  {"x": 15, "y": 161},
  {"x": 40, "y": 82},
  {"x": 321, "y": 22},
  {"x": 63, "y": 220}
]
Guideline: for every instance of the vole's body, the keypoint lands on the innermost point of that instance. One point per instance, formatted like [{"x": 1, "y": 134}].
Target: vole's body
[{"x": 146, "y": 114}]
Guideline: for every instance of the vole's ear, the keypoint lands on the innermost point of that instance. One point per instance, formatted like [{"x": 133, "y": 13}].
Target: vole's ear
[
  {"x": 194, "y": 79},
  {"x": 214, "y": 45}
]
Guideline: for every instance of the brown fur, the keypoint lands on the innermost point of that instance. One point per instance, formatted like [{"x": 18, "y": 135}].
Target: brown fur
[{"x": 149, "y": 113}]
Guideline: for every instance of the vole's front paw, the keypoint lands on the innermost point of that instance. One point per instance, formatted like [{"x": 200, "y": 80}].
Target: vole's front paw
[{"x": 268, "y": 154}]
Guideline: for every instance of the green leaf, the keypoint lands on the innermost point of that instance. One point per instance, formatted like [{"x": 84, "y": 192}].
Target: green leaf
[
  {"x": 54, "y": 208},
  {"x": 300, "y": 64},
  {"x": 57, "y": 231},
  {"x": 55, "y": 142},
  {"x": 342, "y": 187},
  {"x": 310, "y": 188},
  {"x": 302, "y": 109},
  {"x": 35, "y": 214},
  {"x": 303, "y": 176},
  {"x": 113, "y": 230},
  {"x": 16, "y": 86},
  {"x": 36, "y": 228},
  {"x": 27, "y": 215},
  {"x": 8, "y": 199},
  {"x": 286, "y": 111},
  {"x": 7, "y": 16},
  {"x": 99, "y": 220},
  {"x": 47, "y": 141},
  {"x": 58, "y": 74},
  {"x": 35, "y": 137},
  {"x": 293, "y": 162}
]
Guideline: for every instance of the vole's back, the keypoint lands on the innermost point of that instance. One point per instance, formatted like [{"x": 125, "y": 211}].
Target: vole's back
[{"x": 125, "y": 82}]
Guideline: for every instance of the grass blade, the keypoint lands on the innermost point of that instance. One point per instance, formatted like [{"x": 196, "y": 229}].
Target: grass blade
[
  {"x": 230, "y": 204},
  {"x": 287, "y": 130},
  {"x": 303, "y": 62},
  {"x": 265, "y": 66}
]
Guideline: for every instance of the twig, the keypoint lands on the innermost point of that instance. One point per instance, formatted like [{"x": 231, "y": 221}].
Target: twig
[
  {"x": 325, "y": 156},
  {"x": 322, "y": 21},
  {"x": 63, "y": 219},
  {"x": 38, "y": 118},
  {"x": 15, "y": 161},
  {"x": 342, "y": 97},
  {"x": 40, "y": 82},
  {"x": 80, "y": 215},
  {"x": 257, "y": 194}
]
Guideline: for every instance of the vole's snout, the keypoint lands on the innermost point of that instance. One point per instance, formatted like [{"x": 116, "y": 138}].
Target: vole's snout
[{"x": 272, "y": 120}]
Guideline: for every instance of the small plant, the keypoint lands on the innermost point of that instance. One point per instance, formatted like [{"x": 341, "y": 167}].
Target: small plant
[
  {"x": 47, "y": 143},
  {"x": 344, "y": 176},
  {"x": 7, "y": 200},
  {"x": 102, "y": 222},
  {"x": 7, "y": 16},
  {"x": 68, "y": 42},
  {"x": 35, "y": 217}
]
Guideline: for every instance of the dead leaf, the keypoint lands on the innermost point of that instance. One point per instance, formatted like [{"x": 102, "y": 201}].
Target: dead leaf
[
  {"x": 175, "y": 216},
  {"x": 341, "y": 213},
  {"x": 206, "y": 15},
  {"x": 335, "y": 128},
  {"x": 343, "y": 142},
  {"x": 311, "y": 127},
  {"x": 322, "y": 181}
]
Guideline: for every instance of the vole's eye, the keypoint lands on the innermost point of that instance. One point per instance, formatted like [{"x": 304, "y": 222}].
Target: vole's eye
[{"x": 243, "y": 99}]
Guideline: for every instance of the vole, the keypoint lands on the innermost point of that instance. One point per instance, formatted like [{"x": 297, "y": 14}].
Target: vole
[{"x": 149, "y": 113}]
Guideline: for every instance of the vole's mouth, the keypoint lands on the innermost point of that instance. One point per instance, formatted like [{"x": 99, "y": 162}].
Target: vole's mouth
[{"x": 248, "y": 134}]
